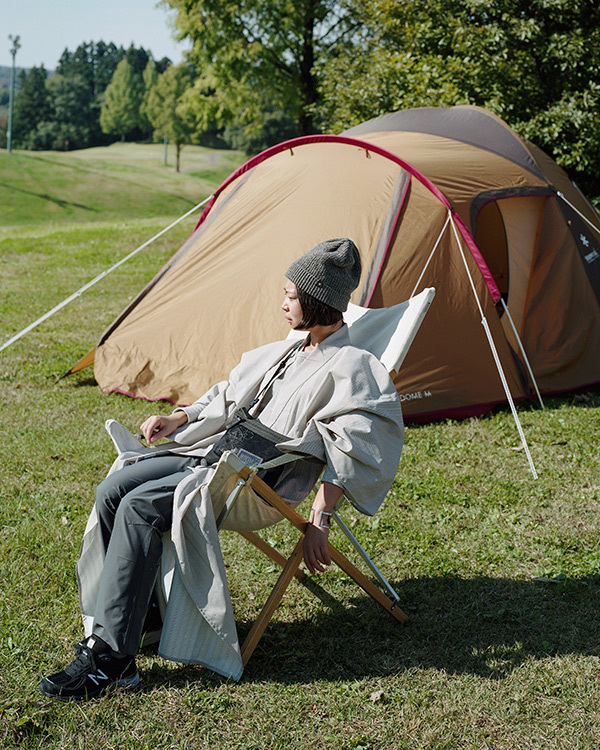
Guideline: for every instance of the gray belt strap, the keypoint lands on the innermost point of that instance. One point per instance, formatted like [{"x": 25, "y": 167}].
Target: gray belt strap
[{"x": 285, "y": 458}]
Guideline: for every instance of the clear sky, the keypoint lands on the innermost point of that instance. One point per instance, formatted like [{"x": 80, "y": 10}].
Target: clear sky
[{"x": 46, "y": 27}]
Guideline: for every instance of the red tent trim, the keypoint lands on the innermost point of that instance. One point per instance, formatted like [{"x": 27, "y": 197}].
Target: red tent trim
[{"x": 370, "y": 147}]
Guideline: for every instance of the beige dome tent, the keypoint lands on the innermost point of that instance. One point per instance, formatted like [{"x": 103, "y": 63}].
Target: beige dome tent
[{"x": 450, "y": 198}]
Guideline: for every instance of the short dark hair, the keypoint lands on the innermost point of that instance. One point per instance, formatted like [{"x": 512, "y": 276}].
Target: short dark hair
[{"x": 315, "y": 312}]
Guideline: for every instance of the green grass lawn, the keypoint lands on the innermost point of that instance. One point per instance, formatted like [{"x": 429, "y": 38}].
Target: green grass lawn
[{"x": 491, "y": 658}]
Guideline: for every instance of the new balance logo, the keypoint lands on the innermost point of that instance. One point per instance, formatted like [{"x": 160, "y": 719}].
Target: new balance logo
[{"x": 98, "y": 676}]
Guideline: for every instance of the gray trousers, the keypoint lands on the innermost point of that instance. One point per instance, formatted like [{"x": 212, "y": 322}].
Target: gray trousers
[{"x": 134, "y": 507}]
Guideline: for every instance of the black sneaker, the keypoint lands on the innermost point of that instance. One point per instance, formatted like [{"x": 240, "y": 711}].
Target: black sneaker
[{"x": 93, "y": 672}]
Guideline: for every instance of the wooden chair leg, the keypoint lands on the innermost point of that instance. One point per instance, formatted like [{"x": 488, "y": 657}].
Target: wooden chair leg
[
  {"x": 343, "y": 563},
  {"x": 271, "y": 552},
  {"x": 300, "y": 523},
  {"x": 272, "y": 602},
  {"x": 292, "y": 564}
]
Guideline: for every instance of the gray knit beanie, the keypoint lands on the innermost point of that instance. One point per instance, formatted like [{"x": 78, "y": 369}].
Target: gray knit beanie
[{"x": 330, "y": 272}]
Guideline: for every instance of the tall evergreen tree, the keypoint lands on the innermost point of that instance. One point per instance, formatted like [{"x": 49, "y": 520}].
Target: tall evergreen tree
[
  {"x": 120, "y": 112},
  {"x": 138, "y": 58},
  {"x": 149, "y": 78},
  {"x": 32, "y": 106},
  {"x": 70, "y": 125},
  {"x": 162, "y": 64},
  {"x": 78, "y": 62},
  {"x": 104, "y": 59},
  {"x": 95, "y": 61}
]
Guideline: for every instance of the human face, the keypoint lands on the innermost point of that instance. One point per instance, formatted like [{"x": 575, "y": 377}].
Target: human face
[{"x": 291, "y": 305}]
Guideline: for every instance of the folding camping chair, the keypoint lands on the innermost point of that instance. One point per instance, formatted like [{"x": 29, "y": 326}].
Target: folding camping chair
[{"x": 387, "y": 333}]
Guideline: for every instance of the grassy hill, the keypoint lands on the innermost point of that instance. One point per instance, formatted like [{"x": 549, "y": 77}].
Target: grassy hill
[{"x": 121, "y": 181}]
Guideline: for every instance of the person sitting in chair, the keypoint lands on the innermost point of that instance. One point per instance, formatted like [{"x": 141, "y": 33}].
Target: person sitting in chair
[{"x": 333, "y": 404}]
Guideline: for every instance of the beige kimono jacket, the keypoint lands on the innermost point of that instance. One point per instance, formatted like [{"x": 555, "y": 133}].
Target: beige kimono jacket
[{"x": 340, "y": 407}]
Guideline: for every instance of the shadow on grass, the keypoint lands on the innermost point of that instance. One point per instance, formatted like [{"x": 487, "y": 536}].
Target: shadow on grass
[
  {"x": 586, "y": 397},
  {"x": 84, "y": 382},
  {"x": 45, "y": 196},
  {"x": 483, "y": 626},
  {"x": 111, "y": 172}
]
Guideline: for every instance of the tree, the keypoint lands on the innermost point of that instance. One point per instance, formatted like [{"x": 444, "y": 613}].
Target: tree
[
  {"x": 535, "y": 63},
  {"x": 165, "y": 111},
  {"x": 258, "y": 56},
  {"x": 32, "y": 105},
  {"x": 162, "y": 64},
  {"x": 120, "y": 112},
  {"x": 104, "y": 59},
  {"x": 149, "y": 79},
  {"x": 275, "y": 127},
  {"x": 96, "y": 63},
  {"x": 70, "y": 126},
  {"x": 138, "y": 59}
]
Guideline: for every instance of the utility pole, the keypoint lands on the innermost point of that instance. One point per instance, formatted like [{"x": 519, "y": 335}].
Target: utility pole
[{"x": 13, "y": 52}]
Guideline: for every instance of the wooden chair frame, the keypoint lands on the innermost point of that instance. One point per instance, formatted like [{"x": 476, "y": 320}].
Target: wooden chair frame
[{"x": 291, "y": 564}]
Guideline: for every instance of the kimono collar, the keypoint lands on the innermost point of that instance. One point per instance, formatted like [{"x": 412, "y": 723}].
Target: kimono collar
[{"x": 335, "y": 340}]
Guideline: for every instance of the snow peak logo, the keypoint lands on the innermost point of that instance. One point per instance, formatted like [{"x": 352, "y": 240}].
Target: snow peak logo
[
  {"x": 591, "y": 256},
  {"x": 415, "y": 395}
]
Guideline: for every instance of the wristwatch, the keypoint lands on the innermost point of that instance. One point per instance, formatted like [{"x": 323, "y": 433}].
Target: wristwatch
[{"x": 324, "y": 521}]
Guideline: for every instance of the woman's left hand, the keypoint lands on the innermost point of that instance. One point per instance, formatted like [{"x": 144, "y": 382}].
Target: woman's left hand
[{"x": 315, "y": 548}]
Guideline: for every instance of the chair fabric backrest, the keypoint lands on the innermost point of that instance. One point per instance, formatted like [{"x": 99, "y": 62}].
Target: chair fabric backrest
[{"x": 386, "y": 332}]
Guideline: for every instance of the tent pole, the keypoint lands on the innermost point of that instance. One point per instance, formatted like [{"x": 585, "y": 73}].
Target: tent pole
[
  {"x": 431, "y": 254},
  {"x": 531, "y": 375},
  {"x": 583, "y": 197},
  {"x": 100, "y": 276},
  {"x": 577, "y": 211},
  {"x": 488, "y": 333}
]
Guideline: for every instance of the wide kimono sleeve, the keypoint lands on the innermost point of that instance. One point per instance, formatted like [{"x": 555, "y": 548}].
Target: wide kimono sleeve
[{"x": 363, "y": 441}]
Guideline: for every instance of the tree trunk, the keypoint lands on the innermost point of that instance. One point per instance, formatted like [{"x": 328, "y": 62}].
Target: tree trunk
[
  {"x": 308, "y": 84},
  {"x": 177, "y": 152}
]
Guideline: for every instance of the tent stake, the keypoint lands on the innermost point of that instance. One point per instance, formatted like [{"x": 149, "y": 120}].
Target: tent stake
[{"x": 100, "y": 276}]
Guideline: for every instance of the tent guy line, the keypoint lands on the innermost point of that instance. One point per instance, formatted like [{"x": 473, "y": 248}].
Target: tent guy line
[
  {"x": 431, "y": 254},
  {"x": 488, "y": 333},
  {"x": 98, "y": 278},
  {"x": 523, "y": 352},
  {"x": 490, "y": 338}
]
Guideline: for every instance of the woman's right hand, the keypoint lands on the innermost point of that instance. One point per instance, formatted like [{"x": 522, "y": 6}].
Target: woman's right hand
[{"x": 159, "y": 426}]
